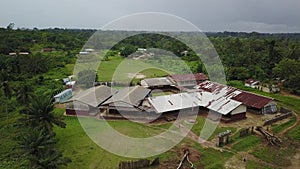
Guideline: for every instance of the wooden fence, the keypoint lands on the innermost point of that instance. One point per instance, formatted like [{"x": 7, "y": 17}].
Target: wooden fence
[{"x": 278, "y": 118}]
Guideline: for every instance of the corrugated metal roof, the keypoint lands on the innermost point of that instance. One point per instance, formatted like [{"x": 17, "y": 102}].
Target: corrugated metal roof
[
  {"x": 94, "y": 96},
  {"x": 162, "y": 81},
  {"x": 252, "y": 100},
  {"x": 210, "y": 86},
  {"x": 67, "y": 91},
  {"x": 129, "y": 95},
  {"x": 214, "y": 96},
  {"x": 175, "y": 101},
  {"x": 189, "y": 77},
  {"x": 248, "y": 99},
  {"x": 224, "y": 105}
]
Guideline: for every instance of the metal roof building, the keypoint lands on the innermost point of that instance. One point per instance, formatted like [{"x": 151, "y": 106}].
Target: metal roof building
[
  {"x": 128, "y": 97},
  {"x": 253, "y": 100},
  {"x": 157, "y": 82},
  {"x": 94, "y": 96},
  {"x": 250, "y": 100},
  {"x": 174, "y": 102},
  {"x": 187, "y": 80}
]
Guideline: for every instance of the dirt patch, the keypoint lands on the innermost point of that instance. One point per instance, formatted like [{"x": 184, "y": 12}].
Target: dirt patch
[
  {"x": 289, "y": 94},
  {"x": 251, "y": 120},
  {"x": 194, "y": 157},
  {"x": 60, "y": 106},
  {"x": 295, "y": 160}
]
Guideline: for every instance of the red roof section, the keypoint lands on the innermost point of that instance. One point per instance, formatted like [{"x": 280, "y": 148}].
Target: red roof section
[
  {"x": 189, "y": 77},
  {"x": 252, "y": 100},
  {"x": 210, "y": 86}
]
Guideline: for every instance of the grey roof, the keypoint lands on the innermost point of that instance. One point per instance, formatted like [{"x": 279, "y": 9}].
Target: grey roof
[
  {"x": 162, "y": 81},
  {"x": 94, "y": 96},
  {"x": 129, "y": 95}
]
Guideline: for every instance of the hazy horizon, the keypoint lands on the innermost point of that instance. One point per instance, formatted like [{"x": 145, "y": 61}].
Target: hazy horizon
[{"x": 263, "y": 16}]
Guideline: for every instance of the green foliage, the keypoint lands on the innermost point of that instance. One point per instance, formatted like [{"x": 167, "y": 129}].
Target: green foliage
[
  {"x": 289, "y": 70},
  {"x": 294, "y": 133},
  {"x": 276, "y": 128},
  {"x": 24, "y": 93},
  {"x": 40, "y": 115},
  {"x": 38, "y": 148}
]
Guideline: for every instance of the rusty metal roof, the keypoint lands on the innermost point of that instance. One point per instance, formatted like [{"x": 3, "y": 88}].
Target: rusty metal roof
[{"x": 252, "y": 100}]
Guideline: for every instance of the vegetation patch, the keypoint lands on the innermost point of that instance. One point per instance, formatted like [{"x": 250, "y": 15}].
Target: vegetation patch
[
  {"x": 277, "y": 128},
  {"x": 246, "y": 143}
]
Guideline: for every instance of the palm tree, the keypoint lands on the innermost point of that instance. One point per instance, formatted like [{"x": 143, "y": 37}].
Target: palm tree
[
  {"x": 40, "y": 115},
  {"x": 24, "y": 93},
  {"x": 38, "y": 148}
]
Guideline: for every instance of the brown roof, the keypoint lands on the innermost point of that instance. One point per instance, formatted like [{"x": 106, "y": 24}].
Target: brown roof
[
  {"x": 252, "y": 100},
  {"x": 189, "y": 77}
]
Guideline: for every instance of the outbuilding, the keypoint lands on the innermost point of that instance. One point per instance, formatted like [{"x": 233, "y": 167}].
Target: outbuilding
[{"x": 63, "y": 96}]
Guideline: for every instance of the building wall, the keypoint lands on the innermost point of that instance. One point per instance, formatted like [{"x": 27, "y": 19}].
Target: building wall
[
  {"x": 77, "y": 112},
  {"x": 235, "y": 117},
  {"x": 241, "y": 109}
]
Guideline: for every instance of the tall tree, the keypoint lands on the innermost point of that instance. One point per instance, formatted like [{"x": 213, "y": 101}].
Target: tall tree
[
  {"x": 40, "y": 113},
  {"x": 289, "y": 70},
  {"x": 7, "y": 92},
  {"x": 38, "y": 148},
  {"x": 24, "y": 93}
]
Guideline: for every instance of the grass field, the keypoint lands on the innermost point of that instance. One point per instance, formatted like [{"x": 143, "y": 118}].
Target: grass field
[
  {"x": 274, "y": 154},
  {"x": 118, "y": 69},
  {"x": 246, "y": 143},
  {"x": 277, "y": 128},
  {"x": 73, "y": 140}
]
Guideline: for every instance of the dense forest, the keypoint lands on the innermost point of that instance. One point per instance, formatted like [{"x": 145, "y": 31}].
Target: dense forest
[{"x": 32, "y": 61}]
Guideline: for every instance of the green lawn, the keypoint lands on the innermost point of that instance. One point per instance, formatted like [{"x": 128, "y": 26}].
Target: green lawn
[
  {"x": 277, "y": 128},
  {"x": 246, "y": 143},
  {"x": 118, "y": 69},
  {"x": 84, "y": 153}
]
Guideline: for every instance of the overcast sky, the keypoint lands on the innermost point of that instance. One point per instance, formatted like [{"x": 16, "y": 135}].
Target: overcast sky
[{"x": 209, "y": 15}]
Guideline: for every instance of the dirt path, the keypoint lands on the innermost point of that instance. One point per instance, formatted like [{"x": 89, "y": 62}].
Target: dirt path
[
  {"x": 202, "y": 142},
  {"x": 295, "y": 161},
  {"x": 289, "y": 94}
]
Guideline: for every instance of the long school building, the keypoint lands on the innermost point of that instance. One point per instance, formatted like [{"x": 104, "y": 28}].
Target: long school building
[{"x": 226, "y": 102}]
